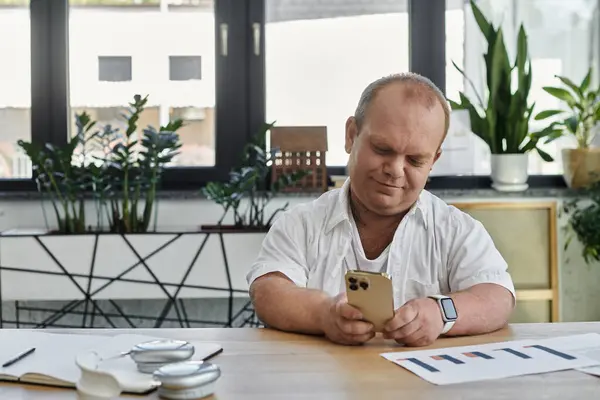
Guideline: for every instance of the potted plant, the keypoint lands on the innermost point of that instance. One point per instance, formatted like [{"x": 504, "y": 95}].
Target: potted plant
[
  {"x": 581, "y": 165},
  {"x": 248, "y": 192},
  {"x": 583, "y": 223},
  {"x": 101, "y": 188},
  {"x": 502, "y": 121},
  {"x": 120, "y": 171}
]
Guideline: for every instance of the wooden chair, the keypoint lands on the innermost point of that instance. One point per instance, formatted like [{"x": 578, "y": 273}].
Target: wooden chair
[{"x": 301, "y": 148}]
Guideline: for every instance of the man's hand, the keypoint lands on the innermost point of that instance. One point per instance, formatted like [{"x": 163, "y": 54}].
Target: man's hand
[
  {"x": 417, "y": 323},
  {"x": 342, "y": 323}
]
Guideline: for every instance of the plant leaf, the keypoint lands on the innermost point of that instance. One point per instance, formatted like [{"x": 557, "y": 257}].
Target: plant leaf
[
  {"x": 561, "y": 94},
  {"x": 576, "y": 89},
  {"x": 486, "y": 28},
  {"x": 479, "y": 125},
  {"x": 571, "y": 123},
  {"x": 552, "y": 136},
  {"x": 545, "y": 156},
  {"x": 547, "y": 114},
  {"x": 585, "y": 83}
]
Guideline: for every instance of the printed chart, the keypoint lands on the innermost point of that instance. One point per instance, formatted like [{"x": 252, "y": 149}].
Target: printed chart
[{"x": 491, "y": 361}]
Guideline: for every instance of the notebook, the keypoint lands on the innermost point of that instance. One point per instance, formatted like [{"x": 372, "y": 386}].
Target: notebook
[{"x": 53, "y": 362}]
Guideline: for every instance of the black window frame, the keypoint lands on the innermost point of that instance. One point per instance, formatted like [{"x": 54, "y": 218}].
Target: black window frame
[{"x": 240, "y": 86}]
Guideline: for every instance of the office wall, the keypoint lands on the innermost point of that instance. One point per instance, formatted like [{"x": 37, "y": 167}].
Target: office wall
[{"x": 579, "y": 297}]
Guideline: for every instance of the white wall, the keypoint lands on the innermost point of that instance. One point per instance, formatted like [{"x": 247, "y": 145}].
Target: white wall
[
  {"x": 114, "y": 256},
  {"x": 579, "y": 294}
]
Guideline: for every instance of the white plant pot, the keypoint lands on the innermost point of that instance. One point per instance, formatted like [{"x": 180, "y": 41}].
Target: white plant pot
[{"x": 509, "y": 172}]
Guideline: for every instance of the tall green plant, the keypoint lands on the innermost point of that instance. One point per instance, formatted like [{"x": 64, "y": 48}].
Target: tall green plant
[
  {"x": 123, "y": 180},
  {"x": 584, "y": 222},
  {"x": 134, "y": 163},
  {"x": 250, "y": 182},
  {"x": 503, "y": 120},
  {"x": 581, "y": 116},
  {"x": 61, "y": 179}
]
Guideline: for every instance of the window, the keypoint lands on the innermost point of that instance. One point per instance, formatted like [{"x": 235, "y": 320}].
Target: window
[
  {"x": 563, "y": 40},
  {"x": 149, "y": 35},
  {"x": 227, "y": 66},
  {"x": 185, "y": 68},
  {"x": 463, "y": 152},
  {"x": 321, "y": 55},
  {"x": 15, "y": 89},
  {"x": 114, "y": 69},
  {"x": 115, "y": 2}
]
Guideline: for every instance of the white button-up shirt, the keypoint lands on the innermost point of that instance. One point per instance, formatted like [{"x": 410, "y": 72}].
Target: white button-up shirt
[{"x": 436, "y": 249}]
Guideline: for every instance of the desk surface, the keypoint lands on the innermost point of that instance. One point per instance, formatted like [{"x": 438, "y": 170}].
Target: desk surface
[{"x": 266, "y": 364}]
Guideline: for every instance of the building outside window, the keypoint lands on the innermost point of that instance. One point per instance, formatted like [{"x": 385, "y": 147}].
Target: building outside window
[
  {"x": 157, "y": 40},
  {"x": 185, "y": 68},
  {"x": 114, "y": 69}
]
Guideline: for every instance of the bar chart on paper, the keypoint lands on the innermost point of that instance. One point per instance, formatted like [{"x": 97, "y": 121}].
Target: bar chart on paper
[{"x": 489, "y": 361}]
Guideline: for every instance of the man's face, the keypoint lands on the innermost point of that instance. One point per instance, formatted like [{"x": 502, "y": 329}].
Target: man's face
[{"x": 392, "y": 155}]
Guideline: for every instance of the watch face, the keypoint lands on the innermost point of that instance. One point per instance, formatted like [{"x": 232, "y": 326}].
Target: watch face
[{"x": 449, "y": 309}]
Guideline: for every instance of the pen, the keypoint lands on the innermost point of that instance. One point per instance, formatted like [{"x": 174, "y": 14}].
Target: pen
[{"x": 18, "y": 357}]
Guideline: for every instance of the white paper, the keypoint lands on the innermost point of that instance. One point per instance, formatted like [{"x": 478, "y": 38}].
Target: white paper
[
  {"x": 586, "y": 345},
  {"x": 54, "y": 354},
  {"x": 499, "y": 360}
]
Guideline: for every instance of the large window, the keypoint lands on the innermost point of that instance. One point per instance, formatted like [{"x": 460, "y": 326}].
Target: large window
[
  {"x": 563, "y": 40},
  {"x": 15, "y": 89},
  {"x": 320, "y": 55},
  {"x": 227, "y": 66},
  {"x": 135, "y": 55}
]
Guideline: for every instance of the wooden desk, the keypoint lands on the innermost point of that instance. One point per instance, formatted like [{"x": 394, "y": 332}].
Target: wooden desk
[{"x": 265, "y": 364}]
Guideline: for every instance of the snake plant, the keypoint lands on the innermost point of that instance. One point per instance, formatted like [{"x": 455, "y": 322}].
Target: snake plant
[{"x": 502, "y": 121}]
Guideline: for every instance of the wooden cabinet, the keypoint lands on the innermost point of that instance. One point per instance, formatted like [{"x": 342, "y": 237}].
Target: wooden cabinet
[{"x": 525, "y": 234}]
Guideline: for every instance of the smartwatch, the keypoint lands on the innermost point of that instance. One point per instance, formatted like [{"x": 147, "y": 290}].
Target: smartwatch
[{"x": 449, "y": 314}]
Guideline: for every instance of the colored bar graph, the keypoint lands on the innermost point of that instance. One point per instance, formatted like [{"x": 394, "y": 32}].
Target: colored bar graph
[
  {"x": 515, "y": 352},
  {"x": 420, "y": 364},
  {"x": 476, "y": 354},
  {"x": 553, "y": 352},
  {"x": 448, "y": 358}
]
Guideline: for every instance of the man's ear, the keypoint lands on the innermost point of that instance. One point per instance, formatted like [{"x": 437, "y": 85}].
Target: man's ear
[
  {"x": 436, "y": 157},
  {"x": 351, "y": 133}
]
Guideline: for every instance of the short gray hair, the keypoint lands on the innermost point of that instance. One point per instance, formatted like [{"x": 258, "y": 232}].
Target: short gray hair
[{"x": 424, "y": 89}]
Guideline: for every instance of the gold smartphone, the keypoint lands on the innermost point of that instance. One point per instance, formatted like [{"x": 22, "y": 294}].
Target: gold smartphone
[{"x": 372, "y": 293}]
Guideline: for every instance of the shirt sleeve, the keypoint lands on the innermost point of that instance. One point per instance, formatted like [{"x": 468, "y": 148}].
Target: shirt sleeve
[
  {"x": 473, "y": 257},
  {"x": 283, "y": 250}
]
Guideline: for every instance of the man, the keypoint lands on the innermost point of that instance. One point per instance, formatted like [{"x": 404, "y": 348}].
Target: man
[{"x": 383, "y": 220}]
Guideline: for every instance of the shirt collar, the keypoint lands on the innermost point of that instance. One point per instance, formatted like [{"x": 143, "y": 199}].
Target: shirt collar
[{"x": 339, "y": 210}]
